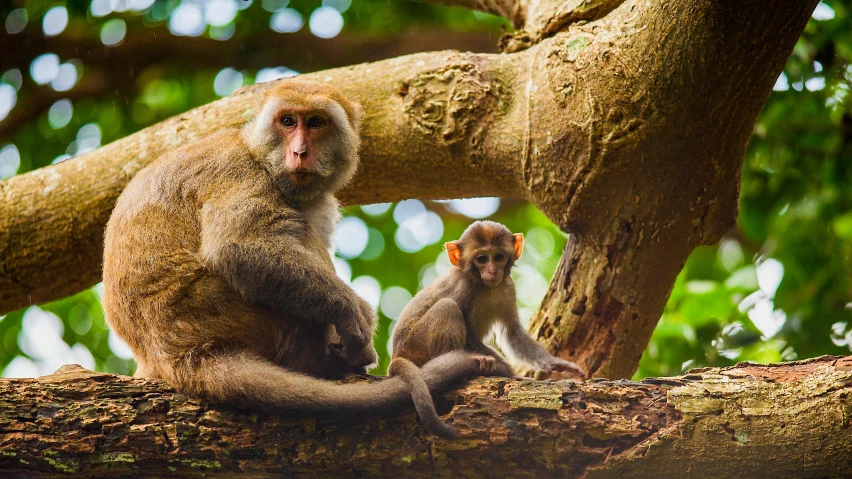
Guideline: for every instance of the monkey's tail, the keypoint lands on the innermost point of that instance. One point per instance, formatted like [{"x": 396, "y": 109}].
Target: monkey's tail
[
  {"x": 246, "y": 381},
  {"x": 410, "y": 373}
]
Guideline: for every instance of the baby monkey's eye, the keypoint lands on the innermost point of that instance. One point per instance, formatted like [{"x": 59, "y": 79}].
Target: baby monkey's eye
[
  {"x": 316, "y": 122},
  {"x": 499, "y": 257},
  {"x": 288, "y": 121},
  {"x": 482, "y": 259}
]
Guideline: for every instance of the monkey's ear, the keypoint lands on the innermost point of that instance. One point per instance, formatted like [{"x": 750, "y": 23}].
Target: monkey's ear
[
  {"x": 454, "y": 252},
  {"x": 519, "y": 244}
]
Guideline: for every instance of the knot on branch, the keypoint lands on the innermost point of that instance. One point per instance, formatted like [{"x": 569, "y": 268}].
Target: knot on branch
[{"x": 449, "y": 100}]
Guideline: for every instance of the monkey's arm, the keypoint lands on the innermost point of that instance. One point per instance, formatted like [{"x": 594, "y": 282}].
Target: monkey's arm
[
  {"x": 265, "y": 252},
  {"x": 519, "y": 346}
]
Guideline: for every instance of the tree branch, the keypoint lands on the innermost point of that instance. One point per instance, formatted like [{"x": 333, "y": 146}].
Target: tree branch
[
  {"x": 742, "y": 421},
  {"x": 146, "y": 48}
]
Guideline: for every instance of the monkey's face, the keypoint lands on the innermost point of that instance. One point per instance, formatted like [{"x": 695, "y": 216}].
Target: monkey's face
[
  {"x": 492, "y": 265},
  {"x": 487, "y": 249},
  {"x": 306, "y": 140}
]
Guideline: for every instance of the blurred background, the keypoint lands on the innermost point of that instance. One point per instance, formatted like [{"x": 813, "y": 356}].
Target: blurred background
[{"x": 78, "y": 74}]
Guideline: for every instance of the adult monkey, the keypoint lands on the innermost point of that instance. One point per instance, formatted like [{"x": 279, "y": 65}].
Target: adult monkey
[{"x": 217, "y": 273}]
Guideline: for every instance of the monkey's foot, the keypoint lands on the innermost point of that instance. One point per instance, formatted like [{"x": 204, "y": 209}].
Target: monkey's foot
[{"x": 491, "y": 366}]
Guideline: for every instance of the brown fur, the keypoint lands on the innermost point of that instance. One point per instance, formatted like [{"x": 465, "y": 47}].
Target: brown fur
[
  {"x": 469, "y": 301},
  {"x": 217, "y": 274}
]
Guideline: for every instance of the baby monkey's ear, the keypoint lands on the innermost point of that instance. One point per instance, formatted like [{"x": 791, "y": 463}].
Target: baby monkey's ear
[
  {"x": 454, "y": 252},
  {"x": 519, "y": 244}
]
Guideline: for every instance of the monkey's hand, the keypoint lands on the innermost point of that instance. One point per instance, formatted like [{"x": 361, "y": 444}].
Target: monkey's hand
[
  {"x": 356, "y": 334},
  {"x": 555, "y": 364}
]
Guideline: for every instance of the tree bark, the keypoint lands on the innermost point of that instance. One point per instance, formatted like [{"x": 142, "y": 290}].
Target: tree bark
[
  {"x": 787, "y": 420},
  {"x": 627, "y": 131}
]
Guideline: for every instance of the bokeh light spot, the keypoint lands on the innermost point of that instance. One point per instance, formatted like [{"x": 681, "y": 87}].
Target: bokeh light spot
[
  {"x": 227, "y": 81},
  {"x": 394, "y": 300},
  {"x": 223, "y": 33},
  {"x": 418, "y": 231},
  {"x": 539, "y": 243},
  {"x": 60, "y": 114},
  {"x": 113, "y": 32},
  {"x": 339, "y": 5},
  {"x": 376, "y": 209},
  {"x": 343, "y": 269},
  {"x": 66, "y": 78},
  {"x": 273, "y": 6},
  {"x": 139, "y": 5},
  {"x": 815, "y": 84},
  {"x": 375, "y": 245},
  {"x": 16, "y": 21},
  {"x": 475, "y": 207},
  {"x": 781, "y": 84},
  {"x": 10, "y": 161},
  {"x": 219, "y": 13},
  {"x": 368, "y": 288},
  {"x": 100, "y": 8},
  {"x": 407, "y": 209},
  {"x": 118, "y": 346},
  {"x": 44, "y": 68},
  {"x": 286, "y": 21},
  {"x": 326, "y": 22},
  {"x": 187, "y": 20},
  {"x": 770, "y": 272},
  {"x": 350, "y": 237},
  {"x": 270, "y": 74},
  {"x": 823, "y": 12},
  {"x": 55, "y": 20},
  {"x": 8, "y": 99},
  {"x": 13, "y": 77},
  {"x": 730, "y": 254},
  {"x": 21, "y": 367}
]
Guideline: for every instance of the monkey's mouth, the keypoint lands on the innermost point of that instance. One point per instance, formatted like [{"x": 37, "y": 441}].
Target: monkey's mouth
[{"x": 302, "y": 175}]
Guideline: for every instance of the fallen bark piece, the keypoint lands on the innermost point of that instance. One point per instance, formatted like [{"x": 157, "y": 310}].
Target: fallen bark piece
[{"x": 785, "y": 420}]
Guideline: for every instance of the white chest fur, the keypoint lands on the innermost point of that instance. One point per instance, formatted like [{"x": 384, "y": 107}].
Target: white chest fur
[
  {"x": 489, "y": 306},
  {"x": 322, "y": 214}
]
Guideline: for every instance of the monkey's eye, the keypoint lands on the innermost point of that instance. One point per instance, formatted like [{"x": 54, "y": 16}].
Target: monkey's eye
[
  {"x": 482, "y": 259},
  {"x": 316, "y": 122},
  {"x": 288, "y": 121},
  {"x": 499, "y": 257}
]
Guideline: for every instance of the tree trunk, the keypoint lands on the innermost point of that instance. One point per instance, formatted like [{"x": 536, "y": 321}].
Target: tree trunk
[
  {"x": 627, "y": 131},
  {"x": 788, "y": 420}
]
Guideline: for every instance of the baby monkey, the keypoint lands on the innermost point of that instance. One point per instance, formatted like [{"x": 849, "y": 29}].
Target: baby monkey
[{"x": 466, "y": 303}]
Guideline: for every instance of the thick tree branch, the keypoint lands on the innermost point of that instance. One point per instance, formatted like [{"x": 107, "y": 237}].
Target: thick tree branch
[
  {"x": 147, "y": 48},
  {"x": 787, "y": 420}
]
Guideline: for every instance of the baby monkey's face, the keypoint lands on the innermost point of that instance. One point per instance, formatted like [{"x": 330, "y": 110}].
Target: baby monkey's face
[
  {"x": 487, "y": 249},
  {"x": 491, "y": 263}
]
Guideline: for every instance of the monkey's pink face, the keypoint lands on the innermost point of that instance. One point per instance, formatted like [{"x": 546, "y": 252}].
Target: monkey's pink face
[
  {"x": 491, "y": 264},
  {"x": 301, "y": 132}
]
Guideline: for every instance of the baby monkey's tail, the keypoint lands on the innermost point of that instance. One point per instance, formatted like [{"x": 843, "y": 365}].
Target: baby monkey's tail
[{"x": 410, "y": 373}]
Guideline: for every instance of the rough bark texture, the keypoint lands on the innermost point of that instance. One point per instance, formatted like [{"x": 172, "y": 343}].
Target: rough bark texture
[
  {"x": 628, "y": 131},
  {"x": 789, "y": 420}
]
